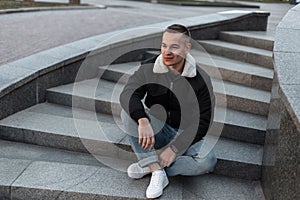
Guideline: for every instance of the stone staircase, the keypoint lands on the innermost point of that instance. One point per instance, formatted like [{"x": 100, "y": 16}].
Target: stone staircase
[{"x": 66, "y": 125}]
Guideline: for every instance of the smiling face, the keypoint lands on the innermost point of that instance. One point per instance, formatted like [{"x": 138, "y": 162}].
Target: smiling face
[{"x": 174, "y": 48}]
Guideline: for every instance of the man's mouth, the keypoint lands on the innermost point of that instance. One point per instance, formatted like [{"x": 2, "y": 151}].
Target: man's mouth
[{"x": 168, "y": 58}]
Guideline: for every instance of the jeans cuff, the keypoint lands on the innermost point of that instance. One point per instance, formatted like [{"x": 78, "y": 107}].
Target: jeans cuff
[{"x": 147, "y": 161}]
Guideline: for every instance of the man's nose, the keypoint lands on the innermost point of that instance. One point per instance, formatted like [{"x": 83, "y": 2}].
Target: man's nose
[{"x": 168, "y": 51}]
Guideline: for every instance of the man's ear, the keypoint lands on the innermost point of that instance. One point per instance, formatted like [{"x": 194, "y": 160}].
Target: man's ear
[{"x": 188, "y": 47}]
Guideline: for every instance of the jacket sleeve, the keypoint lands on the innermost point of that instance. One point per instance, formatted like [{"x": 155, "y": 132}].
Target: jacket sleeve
[{"x": 132, "y": 95}]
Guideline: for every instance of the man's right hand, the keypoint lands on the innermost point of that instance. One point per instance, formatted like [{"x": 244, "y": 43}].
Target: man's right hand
[{"x": 146, "y": 134}]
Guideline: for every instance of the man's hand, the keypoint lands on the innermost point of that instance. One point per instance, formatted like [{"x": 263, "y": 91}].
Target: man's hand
[
  {"x": 167, "y": 157},
  {"x": 146, "y": 134}
]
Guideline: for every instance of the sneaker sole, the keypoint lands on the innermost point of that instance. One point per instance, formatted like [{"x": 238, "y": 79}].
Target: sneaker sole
[{"x": 136, "y": 175}]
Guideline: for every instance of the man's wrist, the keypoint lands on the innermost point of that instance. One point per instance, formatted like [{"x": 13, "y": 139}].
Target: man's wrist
[
  {"x": 143, "y": 122},
  {"x": 174, "y": 149}
]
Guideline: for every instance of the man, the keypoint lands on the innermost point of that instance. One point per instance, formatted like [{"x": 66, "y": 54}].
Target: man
[{"x": 167, "y": 138}]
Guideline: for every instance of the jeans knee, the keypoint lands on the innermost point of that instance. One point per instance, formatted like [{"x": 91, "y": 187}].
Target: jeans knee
[
  {"x": 211, "y": 161},
  {"x": 130, "y": 126}
]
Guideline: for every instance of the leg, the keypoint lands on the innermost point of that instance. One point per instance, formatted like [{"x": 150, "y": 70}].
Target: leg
[
  {"x": 148, "y": 158},
  {"x": 191, "y": 164},
  {"x": 163, "y": 135}
]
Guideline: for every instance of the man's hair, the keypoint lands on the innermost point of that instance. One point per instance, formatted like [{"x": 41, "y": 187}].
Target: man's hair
[{"x": 178, "y": 28}]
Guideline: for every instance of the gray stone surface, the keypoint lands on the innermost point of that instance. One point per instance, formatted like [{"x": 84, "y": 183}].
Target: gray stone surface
[
  {"x": 66, "y": 111},
  {"x": 238, "y": 97},
  {"x": 249, "y": 153},
  {"x": 292, "y": 91},
  {"x": 17, "y": 100},
  {"x": 216, "y": 66},
  {"x": 11, "y": 77},
  {"x": 217, "y": 187},
  {"x": 44, "y": 180},
  {"x": 281, "y": 160},
  {"x": 290, "y": 74},
  {"x": 238, "y": 52},
  {"x": 65, "y": 54},
  {"x": 32, "y": 126},
  {"x": 49, "y": 180},
  {"x": 62, "y": 95},
  {"x": 62, "y": 132},
  {"x": 284, "y": 43},
  {"x": 37, "y": 63},
  {"x": 29, "y": 152},
  {"x": 290, "y": 20},
  {"x": 95, "y": 95},
  {"x": 281, "y": 151},
  {"x": 235, "y": 71},
  {"x": 295, "y": 105},
  {"x": 243, "y": 98},
  {"x": 11, "y": 169},
  {"x": 49, "y": 80},
  {"x": 258, "y": 39},
  {"x": 243, "y": 119}
]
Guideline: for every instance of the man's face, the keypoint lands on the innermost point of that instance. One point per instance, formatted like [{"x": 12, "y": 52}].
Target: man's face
[{"x": 174, "y": 48}]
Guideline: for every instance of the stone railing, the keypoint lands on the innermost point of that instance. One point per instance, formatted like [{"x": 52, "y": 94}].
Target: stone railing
[
  {"x": 281, "y": 170},
  {"x": 23, "y": 82}
]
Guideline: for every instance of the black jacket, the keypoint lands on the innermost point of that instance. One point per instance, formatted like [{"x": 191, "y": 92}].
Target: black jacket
[{"x": 188, "y": 101}]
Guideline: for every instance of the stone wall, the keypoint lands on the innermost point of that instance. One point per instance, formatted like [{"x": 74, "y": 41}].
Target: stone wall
[{"x": 281, "y": 169}]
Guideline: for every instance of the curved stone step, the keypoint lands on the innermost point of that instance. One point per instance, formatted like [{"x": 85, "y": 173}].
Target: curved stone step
[
  {"x": 257, "y": 39},
  {"x": 216, "y": 66},
  {"x": 239, "y": 52},
  {"x": 53, "y": 180},
  {"x": 104, "y": 102},
  {"x": 107, "y": 139},
  {"x": 235, "y": 71},
  {"x": 239, "y": 97}
]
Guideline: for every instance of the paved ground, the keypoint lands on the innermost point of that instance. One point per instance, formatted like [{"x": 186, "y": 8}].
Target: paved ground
[{"x": 23, "y": 34}]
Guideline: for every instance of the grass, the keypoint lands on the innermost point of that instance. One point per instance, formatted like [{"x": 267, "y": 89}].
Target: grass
[{"x": 11, "y": 4}]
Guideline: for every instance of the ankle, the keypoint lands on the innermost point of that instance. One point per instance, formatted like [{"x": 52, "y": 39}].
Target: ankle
[{"x": 154, "y": 167}]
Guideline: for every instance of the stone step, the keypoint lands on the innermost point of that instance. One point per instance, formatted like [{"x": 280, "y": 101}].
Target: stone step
[
  {"x": 257, "y": 39},
  {"x": 24, "y": 179},
  {"x": 118, "y": 72},
  {"x": 239, "y": 97},
  {"x": 242, "y": 53},
  {"x": 216, "y": 66},
  {"x": 235, "y": 71},
  {"x": 84, "y": 134},
  {"x": 242, "y": 98},
  {"x": 100, "y": 101},
  {"x": 30, "y": 152}
]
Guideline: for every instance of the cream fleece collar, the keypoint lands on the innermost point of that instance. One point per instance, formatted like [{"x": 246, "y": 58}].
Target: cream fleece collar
[{"x": 189, "y": 69}]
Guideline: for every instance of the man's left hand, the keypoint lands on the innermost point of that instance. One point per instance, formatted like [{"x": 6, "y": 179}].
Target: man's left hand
[{"x": 167, "y": 157}]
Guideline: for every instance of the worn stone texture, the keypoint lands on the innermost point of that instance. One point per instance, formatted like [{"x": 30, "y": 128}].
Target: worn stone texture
[
  {"x": 281, "y": 158},
  {"x": 11, "y": 169},
  {"x": 216, "y": 187},
  {"x": 21, "y": 98},
  {"x": 44, "y": 180}
]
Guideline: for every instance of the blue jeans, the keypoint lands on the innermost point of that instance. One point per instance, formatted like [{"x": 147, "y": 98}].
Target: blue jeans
[{"x": 188, "y": 164}]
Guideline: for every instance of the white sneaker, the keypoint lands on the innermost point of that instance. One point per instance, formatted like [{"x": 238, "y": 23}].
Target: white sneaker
[
  {"x": 159, "y": 181},
  {"x": 136, "y": 171}
]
